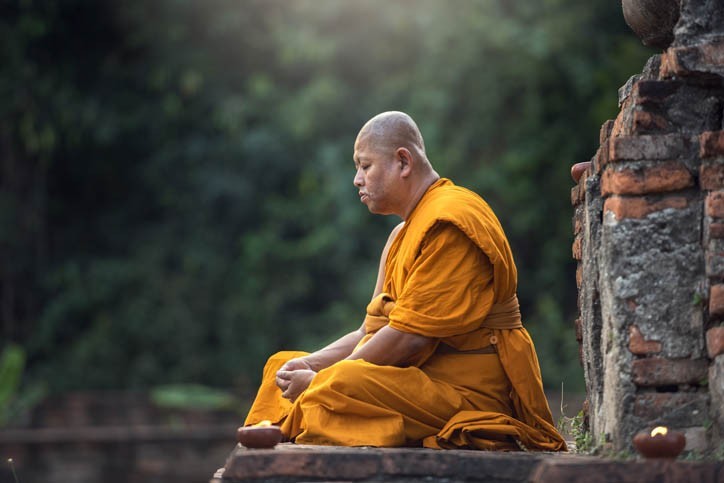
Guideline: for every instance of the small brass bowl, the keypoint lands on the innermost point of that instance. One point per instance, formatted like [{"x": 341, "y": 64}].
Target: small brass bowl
[
  {"x": 259, "y": 437},
  {"x": 668, "y": 445}
]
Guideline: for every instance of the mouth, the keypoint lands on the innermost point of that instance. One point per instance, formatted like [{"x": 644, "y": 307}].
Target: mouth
[{"x": 363, "y": 197}]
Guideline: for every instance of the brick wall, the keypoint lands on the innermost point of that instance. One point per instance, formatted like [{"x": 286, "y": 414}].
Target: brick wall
[{"x": 649, "y": 239}]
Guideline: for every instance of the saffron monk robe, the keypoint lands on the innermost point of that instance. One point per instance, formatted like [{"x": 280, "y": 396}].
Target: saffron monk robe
[{"x": 442, "y": 359}]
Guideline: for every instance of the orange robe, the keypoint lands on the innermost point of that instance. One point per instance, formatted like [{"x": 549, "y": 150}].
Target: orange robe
[{"x": 449, "y": 275}]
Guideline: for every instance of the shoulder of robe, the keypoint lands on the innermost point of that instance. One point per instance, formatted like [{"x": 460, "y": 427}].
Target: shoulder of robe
[{"x": 468, "y": 212}]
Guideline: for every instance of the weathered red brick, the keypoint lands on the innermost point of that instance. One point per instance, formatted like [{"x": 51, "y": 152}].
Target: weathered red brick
[
  {"x": 658, "y": 371},
  {"x": 578, "y": 219},
  {"x": 682, "y": 61},
  {"x": 619, "y": 123},
  {"x": 716, "y": 300},
  {"x": 578, "y": 194},
  {"x": 640, "y": 346},
  {"x": 716, "y": 230},
  {"x": 654, "y": 405},
  {"x": 654, "y": 91},
  {"x": 711, "y": 176},
  {"x": 600, "y": 159},
  {"x": 652, "y": 147},
  {"x": 577, "y": 248},
  {"x": 639, "y": 207},
  {"x": 657, "y": 178},
  {"x": 715, "y": 341},
  {"x": 605, "y": 131},
  {"x": 579, "y": 329},
  {"x": 711, "y": 144},
  {"x": 715, "y": 204},
  {"x": 714, "y": 264},
  {"x": 646, "y": 122},
  {"x": 670, "y": 66},
  {"x": 579, "y": 275}
]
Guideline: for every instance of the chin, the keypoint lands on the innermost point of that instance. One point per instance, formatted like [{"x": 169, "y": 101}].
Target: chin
[{"x": 378, "y": 211}]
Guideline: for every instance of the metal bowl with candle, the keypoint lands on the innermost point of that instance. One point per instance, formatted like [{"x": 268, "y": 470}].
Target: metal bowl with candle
[{"x": 661, "y": 442}]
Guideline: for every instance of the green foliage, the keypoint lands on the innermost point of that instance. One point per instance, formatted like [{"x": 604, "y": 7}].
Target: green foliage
[
  {"x": 12, "y": 362},
  {"x": 192, "y": 396},
  {"x": 719, "y": 453},
  {"x": 576, "y": 427},
  {"x": 16, "y": 398},
  {"x": 178, "y": 202}
]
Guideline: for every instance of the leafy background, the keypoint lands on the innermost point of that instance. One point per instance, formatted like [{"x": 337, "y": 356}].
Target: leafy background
[{"x": 176, "y": 198}]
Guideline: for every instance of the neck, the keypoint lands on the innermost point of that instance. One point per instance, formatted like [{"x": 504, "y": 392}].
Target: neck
[{"x": 426, "y": 181}]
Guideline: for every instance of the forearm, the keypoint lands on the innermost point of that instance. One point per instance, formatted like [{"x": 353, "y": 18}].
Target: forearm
[
  {"x": 391, "y": 347},
  {"x": 334, "y": 352}
]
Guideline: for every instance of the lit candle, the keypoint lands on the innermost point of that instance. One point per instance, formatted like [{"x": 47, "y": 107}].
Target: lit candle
[{"x": 660, "y": 443}]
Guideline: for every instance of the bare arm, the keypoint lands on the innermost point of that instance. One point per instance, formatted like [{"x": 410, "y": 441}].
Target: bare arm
[
  {"x": 392, "y": 347},
  {"x": 343, "y": 347},
  {"x": 305, "y": 367},
  {"x": 383, "y": 259},
  {"x": 334, "y": 352}
]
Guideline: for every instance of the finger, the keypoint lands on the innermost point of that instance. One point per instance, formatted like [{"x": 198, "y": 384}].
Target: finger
[
  {"x": 284, "y": 374},
  {"x": 292, "y": 393}
]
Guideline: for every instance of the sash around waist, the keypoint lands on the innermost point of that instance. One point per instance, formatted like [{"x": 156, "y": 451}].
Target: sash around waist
[{"x": 502, "y": 315}]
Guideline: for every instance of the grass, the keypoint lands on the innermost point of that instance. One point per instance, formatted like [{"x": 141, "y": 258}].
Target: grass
[{"x": 577, "y": 428}]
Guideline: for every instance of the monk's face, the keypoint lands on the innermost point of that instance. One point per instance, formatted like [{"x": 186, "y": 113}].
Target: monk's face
[{"x": 376, "y": 178}]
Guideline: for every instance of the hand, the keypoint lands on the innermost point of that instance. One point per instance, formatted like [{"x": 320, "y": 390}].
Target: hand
[
  {"x": 293, "y": 383},
  {"x": 300, "y": 363},
  {"x": 296, "y": 364}
]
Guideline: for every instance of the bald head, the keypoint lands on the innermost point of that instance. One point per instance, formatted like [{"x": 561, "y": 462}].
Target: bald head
[
  {"x": 391, "y": 130},
  {"x": 392, "y": 169}
]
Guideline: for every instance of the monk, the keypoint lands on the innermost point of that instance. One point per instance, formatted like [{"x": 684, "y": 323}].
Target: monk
[{"x": 442, "y": 359}]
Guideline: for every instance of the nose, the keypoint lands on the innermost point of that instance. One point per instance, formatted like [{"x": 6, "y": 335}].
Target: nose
[{"x": 358, "y": 178}]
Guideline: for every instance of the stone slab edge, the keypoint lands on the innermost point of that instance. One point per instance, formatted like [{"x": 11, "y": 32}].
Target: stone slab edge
[
  {"x": 590, "y": 470},
  {"x": 294, "y": 463},
  {"x": 377, "y": 464}
]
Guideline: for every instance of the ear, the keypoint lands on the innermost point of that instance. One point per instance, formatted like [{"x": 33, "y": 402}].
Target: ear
[{"x": 404, "y": 157}]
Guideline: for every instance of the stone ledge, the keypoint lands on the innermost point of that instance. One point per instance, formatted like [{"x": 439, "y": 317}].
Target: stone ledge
[
  {"x": 592, "y": 470},
  {"x": 291, "y": 463}
]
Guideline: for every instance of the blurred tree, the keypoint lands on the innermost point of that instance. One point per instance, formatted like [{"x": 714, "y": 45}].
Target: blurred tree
[{"x": 176, "y": 192}]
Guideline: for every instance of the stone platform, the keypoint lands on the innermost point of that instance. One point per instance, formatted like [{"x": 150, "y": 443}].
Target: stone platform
[{"x": 300, "y": 463}]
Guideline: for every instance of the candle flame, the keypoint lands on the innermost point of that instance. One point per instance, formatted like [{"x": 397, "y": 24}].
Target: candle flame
[
  {"x": 662, "y": 430},
  {"x": 264, "y": 423}
]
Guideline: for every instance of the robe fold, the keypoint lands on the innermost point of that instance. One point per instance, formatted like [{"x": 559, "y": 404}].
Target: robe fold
[{"x": 449, "y": 275}]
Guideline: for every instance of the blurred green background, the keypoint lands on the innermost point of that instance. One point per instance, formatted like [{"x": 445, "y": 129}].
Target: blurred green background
[{"x": 176, "y": 198}]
